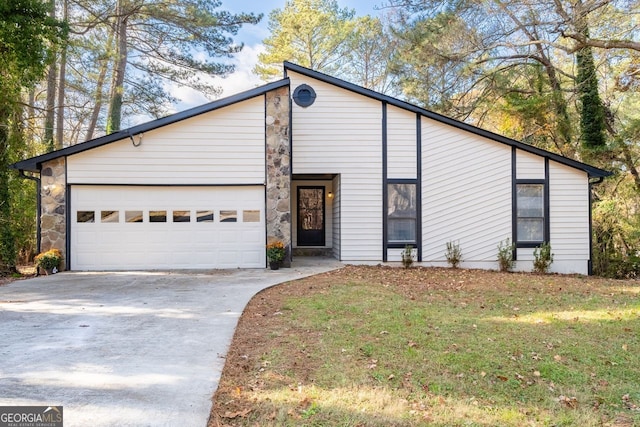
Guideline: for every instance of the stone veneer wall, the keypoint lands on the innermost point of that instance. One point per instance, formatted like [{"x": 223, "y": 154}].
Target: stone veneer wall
[
  {"x": 278, "y": 214},
  {"x": 53, "y": 221}
]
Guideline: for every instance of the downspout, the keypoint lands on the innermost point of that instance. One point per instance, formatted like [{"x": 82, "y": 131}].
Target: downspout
[
  {"x": 38, "y": 210},
  {"x": 591, "y": 184}
]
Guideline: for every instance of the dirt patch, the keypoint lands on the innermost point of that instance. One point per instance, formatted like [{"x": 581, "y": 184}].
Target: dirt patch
[
  {"x": 25, "y": 271},
  {"x": 6, "y": 280}
]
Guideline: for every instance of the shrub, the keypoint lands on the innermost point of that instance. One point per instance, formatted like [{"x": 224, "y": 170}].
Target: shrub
[
  {"x": 616, "y": 266},
  {"x": 542, "y": 258},
  {"x": 407, "y": 256},
  {"x": 48, "y": 260},
  {"x": 505, "y": 255},
  {"x": 453, "y": 254}
]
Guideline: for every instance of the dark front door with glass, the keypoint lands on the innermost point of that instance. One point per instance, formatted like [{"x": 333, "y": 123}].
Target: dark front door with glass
[{"x": 311, "y": 224}]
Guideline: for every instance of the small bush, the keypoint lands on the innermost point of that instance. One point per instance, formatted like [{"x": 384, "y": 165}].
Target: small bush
[
  {"x": 408, "y": 256},
  {"x": 453, "y": 254},
  {"x": 616, "y": 265},
  {"x": 542, "y": 258},
  {"x": 505, "y": 255},
  {"x": 48, "y": 260}
]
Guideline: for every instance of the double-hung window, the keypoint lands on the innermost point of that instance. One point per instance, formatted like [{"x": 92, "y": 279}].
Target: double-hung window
[
  {"x": 530, "y": 213},
  {"x": 401, "y": 213}
]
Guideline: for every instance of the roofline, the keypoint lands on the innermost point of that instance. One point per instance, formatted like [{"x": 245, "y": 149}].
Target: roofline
[
  {"x": 33, "y": 164},
  {"x": 592, "y": 171}
]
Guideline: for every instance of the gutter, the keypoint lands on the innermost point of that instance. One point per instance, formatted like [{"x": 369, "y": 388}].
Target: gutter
[{"x": 38, "y": 207}]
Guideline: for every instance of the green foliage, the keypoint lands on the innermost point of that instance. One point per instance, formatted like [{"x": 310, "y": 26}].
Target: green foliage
[
  {"x": 23, "y": 218},
  {"x": 275, "y": 251},
  {"x": 542, "y": 258},
  {"x": 617, "y": 266},
  {"x": 7, "y": 243},
  {"x": 48, "y": 260},
  {"x": 592, "y": 117},
  {"x": 370, "y": 50},
  {"x": 616, "y": 235},
  {"x": 453, "y": 254},
  {"x": 311, "y": 33},
  {"x": 27, "y": 35},
  {"x": 27, "y": 38},
  {"x": 408, "y": 256},
  {"x": 430, "y": 64},
  {"x": 505, "y": 255},
  {"x": 175, "y": 41}
]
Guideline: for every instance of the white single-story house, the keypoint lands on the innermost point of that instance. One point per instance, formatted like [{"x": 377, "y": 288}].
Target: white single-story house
[{"x": 327, "y": 167}]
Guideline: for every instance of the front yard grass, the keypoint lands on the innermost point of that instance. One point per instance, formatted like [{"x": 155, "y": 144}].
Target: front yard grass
[{"x": 378, "y": 346}]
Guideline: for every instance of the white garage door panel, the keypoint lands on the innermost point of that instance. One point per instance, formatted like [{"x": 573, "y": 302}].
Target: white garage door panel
[{"x": 166, "y": 245}]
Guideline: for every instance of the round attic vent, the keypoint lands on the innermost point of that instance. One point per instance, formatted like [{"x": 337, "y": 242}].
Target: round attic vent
[{"x": 304, "y": 95}]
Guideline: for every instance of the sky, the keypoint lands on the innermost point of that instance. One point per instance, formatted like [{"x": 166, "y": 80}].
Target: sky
[{"x": 252, "y": 36}]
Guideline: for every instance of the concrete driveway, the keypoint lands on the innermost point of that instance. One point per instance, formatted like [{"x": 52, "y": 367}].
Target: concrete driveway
[{"x": 125, "y": 349}]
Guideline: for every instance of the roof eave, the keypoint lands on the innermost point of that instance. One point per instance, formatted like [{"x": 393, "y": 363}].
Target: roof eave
[
  {"x": 592, "y": 171},
  {"x": 33, "y": 164}
]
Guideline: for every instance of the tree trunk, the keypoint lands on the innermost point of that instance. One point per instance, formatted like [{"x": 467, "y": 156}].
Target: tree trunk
[
  {"x": 50, "y": 114},
  {"x": 629, "y": 163},
  {"x": 31, "y": 116},
  {"x": 49, "y": 120},
  {"x": 563, "y": 125},
  {"x": 117, "y": 87},
  {"x": 59, "y": 143},
  {"x": 98, "y": 96}
]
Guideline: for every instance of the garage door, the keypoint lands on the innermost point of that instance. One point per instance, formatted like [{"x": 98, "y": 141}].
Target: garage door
[{"x": 141, "y": 228}]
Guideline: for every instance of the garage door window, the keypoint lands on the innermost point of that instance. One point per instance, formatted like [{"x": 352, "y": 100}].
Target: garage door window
[
  {"x": 157, "y": 216},
  {"x": 204, "y": 216},
  {"x": 251, "y": 216},
  {"x": 133, "y": 216},
  {"x": 181, "y": 216},
  {"x": 110, "y": 216},
  {"x": 86, "y": 216},
  {"x": 228, "y": 216}
]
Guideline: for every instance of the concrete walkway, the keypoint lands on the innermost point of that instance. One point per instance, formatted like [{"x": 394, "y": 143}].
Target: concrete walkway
[{"x": 126, "y": 349}]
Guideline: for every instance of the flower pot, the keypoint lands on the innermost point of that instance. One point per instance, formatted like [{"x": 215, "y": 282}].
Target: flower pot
[{"x": 274, "y": 265}]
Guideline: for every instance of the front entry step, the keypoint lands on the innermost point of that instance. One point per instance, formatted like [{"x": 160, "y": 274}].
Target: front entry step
[{"x": 325, "y": 252}]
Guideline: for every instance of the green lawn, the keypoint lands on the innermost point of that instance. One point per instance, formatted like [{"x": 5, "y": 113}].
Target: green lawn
[{"x": 372, "y": 346}]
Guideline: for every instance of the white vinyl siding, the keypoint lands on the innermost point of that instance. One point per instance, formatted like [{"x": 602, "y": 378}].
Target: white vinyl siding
[
  {"x": 224, "y": 146},
  {"x": 466, "y": 193},
  {"x": 569, "y": 211},
  {"x": 529, "y": 166},
  {"x": 341, "y": 133},
  {"x": 401, "y": 144}
]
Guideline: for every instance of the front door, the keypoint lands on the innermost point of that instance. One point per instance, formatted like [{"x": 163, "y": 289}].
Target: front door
[{"x": 311, "y": 229}]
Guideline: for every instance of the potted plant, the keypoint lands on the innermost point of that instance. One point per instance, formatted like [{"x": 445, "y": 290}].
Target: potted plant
[
  {"x": 48, "y": 261},
  {"x": 275, "y": 254}
]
